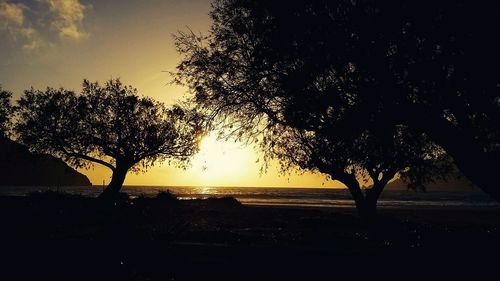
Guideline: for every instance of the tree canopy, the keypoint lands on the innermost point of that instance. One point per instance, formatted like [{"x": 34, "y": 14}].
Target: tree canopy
[
  {"x": 5, "y": 111},
  {"x": 362, "y": 160},
  {"x": 109, "y": 125},
  {"x": 337, "y": 70}
]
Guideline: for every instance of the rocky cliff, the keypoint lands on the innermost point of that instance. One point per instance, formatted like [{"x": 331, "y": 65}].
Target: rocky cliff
[{"x": 20, "y": 167}]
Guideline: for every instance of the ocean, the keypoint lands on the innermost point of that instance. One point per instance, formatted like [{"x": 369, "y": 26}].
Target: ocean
[{"x": 302, "y": 197}]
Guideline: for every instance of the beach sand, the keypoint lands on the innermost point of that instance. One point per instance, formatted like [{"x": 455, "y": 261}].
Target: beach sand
[{"x": 64, "y": 237}]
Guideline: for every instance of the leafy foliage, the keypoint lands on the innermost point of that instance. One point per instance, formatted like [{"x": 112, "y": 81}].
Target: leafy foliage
[
  {"x": 367, "y": 158},
  {"x": 283, "y": 77},
  {"x": 5, "y": 112},
  {"x": 109, "y": 125},
  {"x": 365, "y": 83}
]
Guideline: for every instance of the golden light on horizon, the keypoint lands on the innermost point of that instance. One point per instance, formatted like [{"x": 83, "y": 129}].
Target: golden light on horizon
[
  {"x": 221, "y": 160},
  {"x": 140, "y": 53}
]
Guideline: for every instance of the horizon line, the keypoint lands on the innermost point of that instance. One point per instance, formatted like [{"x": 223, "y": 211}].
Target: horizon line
[{"x": 225, "y": 186}]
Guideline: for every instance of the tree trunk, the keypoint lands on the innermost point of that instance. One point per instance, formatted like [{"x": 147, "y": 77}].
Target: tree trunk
[
  {"x": 357, "y": 195},
  {"x": 371, "y": 198},
  {"x": 369, "y": 210},
  {"x": 366, "y": 206},
  {"x": 114, "y": 187}
]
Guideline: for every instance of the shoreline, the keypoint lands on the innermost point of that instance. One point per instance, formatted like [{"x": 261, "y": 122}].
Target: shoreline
[
  {"x": 163, "y": 238},
  {"x": 436, "y": 213}
]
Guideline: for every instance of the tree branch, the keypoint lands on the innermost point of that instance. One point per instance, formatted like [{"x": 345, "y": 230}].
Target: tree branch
[{"x": 92, "y": 159}]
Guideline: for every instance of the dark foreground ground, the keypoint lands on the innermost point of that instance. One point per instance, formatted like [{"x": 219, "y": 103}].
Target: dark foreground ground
[{"x": 54, "y": 236}]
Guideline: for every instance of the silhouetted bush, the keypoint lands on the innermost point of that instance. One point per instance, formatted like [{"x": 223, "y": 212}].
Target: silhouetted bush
[
  {"x": 223, "y": 201},
  {"x": 122, "y": 198},
  {"x": 51, "y": 195},
  {"x": 162, "y": 199},
  {"x": 166, "y": 196}
]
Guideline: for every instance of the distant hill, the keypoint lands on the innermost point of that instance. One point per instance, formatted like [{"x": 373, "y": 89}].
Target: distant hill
[
  {"x": 453, "y": 184},
  {"x": 20, "y": 167}
]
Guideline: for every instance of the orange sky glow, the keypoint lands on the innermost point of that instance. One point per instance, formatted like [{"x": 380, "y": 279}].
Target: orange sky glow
[{"x": 131, "y": 40}]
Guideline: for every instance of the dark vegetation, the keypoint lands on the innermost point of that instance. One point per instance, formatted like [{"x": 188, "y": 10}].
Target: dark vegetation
[
  {"x": 20, "y": 167},
  {"x": 355, "y": 89},
  {"x": 5, "y": 112},
  {"x": 70, "y": 237},
  {"x": 362, "y": 91},
  {"x": 108, "y": 125}
]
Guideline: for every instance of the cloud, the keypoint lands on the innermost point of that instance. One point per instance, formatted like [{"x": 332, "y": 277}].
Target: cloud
[
  {"x": 13, "y": 23},
  {"x": 69, "y": 16},
  {"x": 34, "y": 41},
  {"x": 12, "y": 13},
  {"x": 34, "y": 26}
]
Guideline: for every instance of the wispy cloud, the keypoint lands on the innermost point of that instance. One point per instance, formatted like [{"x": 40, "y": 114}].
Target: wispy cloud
[
  {"x": 12, "y": 13},
  {"x": 32, "y": 27},
  {"x": 69, "y": 16},
  {"x": 34, "y": 41},
  {"x": 13, "y": 23}
]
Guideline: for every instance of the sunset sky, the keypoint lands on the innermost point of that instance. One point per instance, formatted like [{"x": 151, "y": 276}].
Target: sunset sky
[{"x": 58, "y": 43}]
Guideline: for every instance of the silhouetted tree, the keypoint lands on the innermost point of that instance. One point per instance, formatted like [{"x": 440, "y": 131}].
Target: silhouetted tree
[
  {"x": 359, "y": 161},
  {"x": 5, "y": 112},
  {"x": 342, "y": 68},
  {"x": 108, "y": 125}
]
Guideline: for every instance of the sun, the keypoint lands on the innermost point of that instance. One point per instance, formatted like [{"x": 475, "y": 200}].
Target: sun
[{"x": 222, "y": 162}]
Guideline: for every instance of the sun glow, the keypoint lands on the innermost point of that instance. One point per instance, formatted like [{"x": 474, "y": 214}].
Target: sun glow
[{"x": 221, "y": 161}]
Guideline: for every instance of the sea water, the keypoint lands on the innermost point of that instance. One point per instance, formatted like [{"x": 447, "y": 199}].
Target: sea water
[{"x": 303, "y": 197}]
